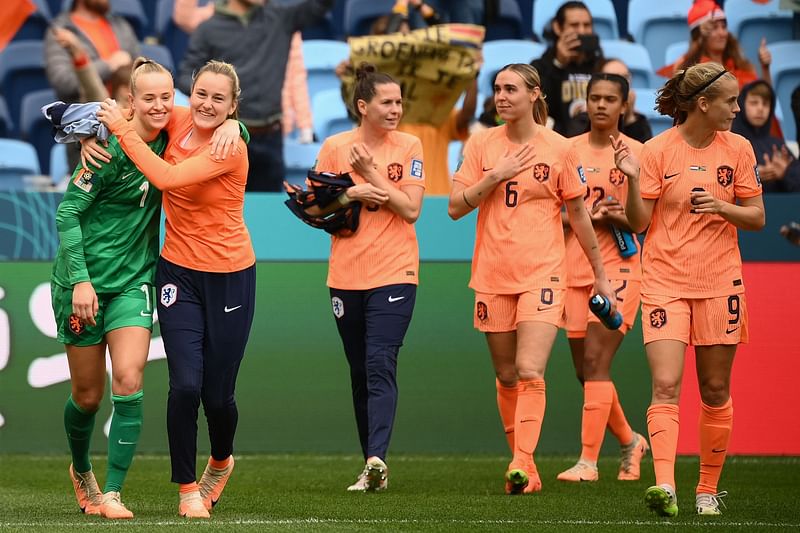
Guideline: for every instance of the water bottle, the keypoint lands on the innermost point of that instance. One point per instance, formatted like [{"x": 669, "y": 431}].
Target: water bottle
[
  {"x": 626, "y": 243},
  {"x": 602, "y": 310}
]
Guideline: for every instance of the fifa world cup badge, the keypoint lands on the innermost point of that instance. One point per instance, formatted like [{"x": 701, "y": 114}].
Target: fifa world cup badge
[{"x": 84, "y": 180}]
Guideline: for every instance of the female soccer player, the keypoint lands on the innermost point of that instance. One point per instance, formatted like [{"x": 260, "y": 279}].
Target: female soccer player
[
  {"x": 517, "y": 176},
  {"x": 373, "y": 273},
  {"x": 696, "y": 186},
  {"x": 593, "y": 345},
  {"x": 205, "y": 277},
  {"x": 102, "y": 292}
]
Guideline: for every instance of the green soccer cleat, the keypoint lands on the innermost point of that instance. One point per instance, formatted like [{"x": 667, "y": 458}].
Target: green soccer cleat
[
  {"x": 661, "y": 500},
  {"x": 516, "y": 481}
]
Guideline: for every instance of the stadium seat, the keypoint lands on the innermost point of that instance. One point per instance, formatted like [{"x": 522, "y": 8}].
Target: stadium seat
[
  {"x": 497, "y": 54},
  {"x": 507, "y": 24},
  {"x": 35, "y": 128},
  {"x": 36, "y": 25},
  {"x": 604, "y": 17},
  {"x": 330, "y": 114},
  {"x": 321, "y": 57},
  {"x": 133, "y": 12},
  {"x": 21, "y": 72},
  {"x": 59, "y": 168},
  {"x": 158, "y": 53},
  {"x": 750, "y": 21},
  {"x": 645, "y": 104},
  {"x": 150, "y": 7},
  {"x": 656, "y": 25},
  {"x": 785, "y": 72},
  {"x": 453, "y": 155},
  {"x": 17, "y": 159},
  {"x": 675, "y": 51},
  {"x": 635, "y": 56},
  {"x": 360, "y": 14},
  {"x": 321, "y": 30},
  {"x": 169, "y": 34},
  {"x": 6, "y": 124},
  {"x": 298, "y": 159}
]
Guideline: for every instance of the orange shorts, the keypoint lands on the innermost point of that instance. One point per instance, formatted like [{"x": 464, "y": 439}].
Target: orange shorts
[
  {"x": 576, "y": 309},
  {"x": 495, "y": 313},
  {"x": 695, "y": 321}
]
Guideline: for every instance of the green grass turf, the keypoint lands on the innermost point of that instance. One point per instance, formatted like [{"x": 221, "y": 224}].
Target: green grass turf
[{"x": 426, "y": 493}]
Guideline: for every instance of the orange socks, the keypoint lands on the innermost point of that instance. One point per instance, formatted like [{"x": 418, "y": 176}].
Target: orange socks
[
  {"x": 716, "y": 424},
  {"x": 188, "y": 487},
  {"x": 507, "y": 405},
  {"x": 663, "y": 425},
  {"x": 528, "y": 419},
  {"x": 597, "y": 399},
  {"x": 220, "y": 465},
  {"x": 617, "y": 423}
]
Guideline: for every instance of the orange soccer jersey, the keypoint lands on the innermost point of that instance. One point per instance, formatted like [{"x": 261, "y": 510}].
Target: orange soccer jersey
[
  {"x": 383, "y": 251},
  {"x": 690, "y": 255},
  {"x": 203, "y": 198},
  {"x": 519, "y": 242},
  {"x": 603, "y": 179}
]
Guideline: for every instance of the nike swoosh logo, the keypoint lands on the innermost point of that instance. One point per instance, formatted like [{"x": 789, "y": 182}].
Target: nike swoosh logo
[
  {"x": 486, "y": 169},
  {"x": 657, "y": 432},
  {"x": 142, "y": 313},
  {"x": 393, "y": 299},
  {"x": 125, "y": 443},
  {"x": 715, "y": 450},
  {"x": 128, "y": 175},
  {"x": 229, "y": 309},
  {"x": 729, "y": 331},
  {"x": 668, "y": 176},
  {"x": 542, "y": 307}
]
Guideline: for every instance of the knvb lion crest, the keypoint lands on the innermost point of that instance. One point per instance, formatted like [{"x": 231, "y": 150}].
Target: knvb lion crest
[
  {"x": 541, "y": 171},
  {"x": 616, "y": 177},
  {"x": 724, "y": 175},
  {"x": 75, "y": 324},
  {"x": 658, "y": 318},
  {"x": 482, "y": 311},
  {"x": 395, "y": 171}
]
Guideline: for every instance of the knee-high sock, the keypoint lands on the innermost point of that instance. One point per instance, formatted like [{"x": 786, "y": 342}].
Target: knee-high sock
[
  {"x": 79, "y": 425},
  {"x": 528, "y": 419},
  {"x": 507, "y": 405},
  {"x": 716, "y": 424},
  {"x": 597, "y": 400},
  {"x": 126, "y": 426},
  {"x": 617, "y": 423},
  {"x": 663, "y": 425}
]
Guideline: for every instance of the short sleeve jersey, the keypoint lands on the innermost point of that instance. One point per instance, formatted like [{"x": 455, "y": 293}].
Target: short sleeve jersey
[
  {"x": 383, "y": 250},
  {"x": 108, "y": 224},
  {"x": 603, "y": 179},
  {"x": 519, "y": 240},
  {"x": 690, "y": 255}
]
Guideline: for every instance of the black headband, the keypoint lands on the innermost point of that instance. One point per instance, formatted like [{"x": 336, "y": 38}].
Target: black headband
[{"x": 707, "y": 84}]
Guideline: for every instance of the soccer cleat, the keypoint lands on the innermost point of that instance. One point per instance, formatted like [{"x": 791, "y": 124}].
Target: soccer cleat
[
  {"x": 113, "y": 507},
  {"x": 212, "y": 483},
  {"x": 191, "y": 506},
  {"x": 632, "y": 457},
  {"x": 87, "y": 491},
  {"x": 516, "y": 481},
  {"x": 374, "y": 477},
  {"x": 661, "y": 500},
  {"x": 580, "y": 472},
  {"x": 709, "y": 504}
]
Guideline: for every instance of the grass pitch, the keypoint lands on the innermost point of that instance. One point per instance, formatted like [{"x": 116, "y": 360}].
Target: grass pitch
[{"x": 426, "y": 493}]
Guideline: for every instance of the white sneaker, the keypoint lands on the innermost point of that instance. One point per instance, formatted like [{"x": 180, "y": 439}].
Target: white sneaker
[
  {"x": 374, "y": 477},
  {"x": 709, "y": 504}
]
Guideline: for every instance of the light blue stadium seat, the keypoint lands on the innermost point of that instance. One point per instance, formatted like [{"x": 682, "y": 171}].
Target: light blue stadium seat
[
  {"x": 657, "y": 24},
  {"x": 785, "y": 72},
  {"x": 21, "y": 72},
  {"x": 17, "y": 159},
  {"x": 59, "y": 168},
  {"x": 181, "y": 99},
  {"x": 454, "y": 155},
  {"x": 750, "y": 21},
  {"x": 160, "y": 54},
  {"x": 604, "y": 16},
  {"x": 635, "y": 56},
  {"x": 330, "y": 114},
  {"x": 674, "y": 52},
  {"x": 645, "y": 104},
  {"x": 360, "y": 14},
  {"x": 507, "y": 23},
  {"x": 321, "y": 57},
  {"x": 37, "y": 23},
  {"x": 497, "y": 54},
  {"x": 298, "y": 159},
  {"x": 35, "y": 128}
]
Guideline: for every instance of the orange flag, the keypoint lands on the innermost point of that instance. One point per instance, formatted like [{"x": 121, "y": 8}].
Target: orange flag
[{"x": 12, "y": 16}]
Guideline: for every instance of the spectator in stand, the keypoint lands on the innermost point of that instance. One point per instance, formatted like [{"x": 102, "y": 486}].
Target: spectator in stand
[
  {"x": 778, "y": 169},
  {"x": 566, "y": 66},
  {"x": 255, "y": 36},
  {"x": 109, "y": 44}
]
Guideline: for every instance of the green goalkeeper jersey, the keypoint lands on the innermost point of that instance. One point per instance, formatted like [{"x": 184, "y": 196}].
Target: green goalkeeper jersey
[{"x": 108, "y": 225}]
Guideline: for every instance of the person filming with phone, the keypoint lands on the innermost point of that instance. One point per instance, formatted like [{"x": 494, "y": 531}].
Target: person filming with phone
[{"x": 567, "y": 65}]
